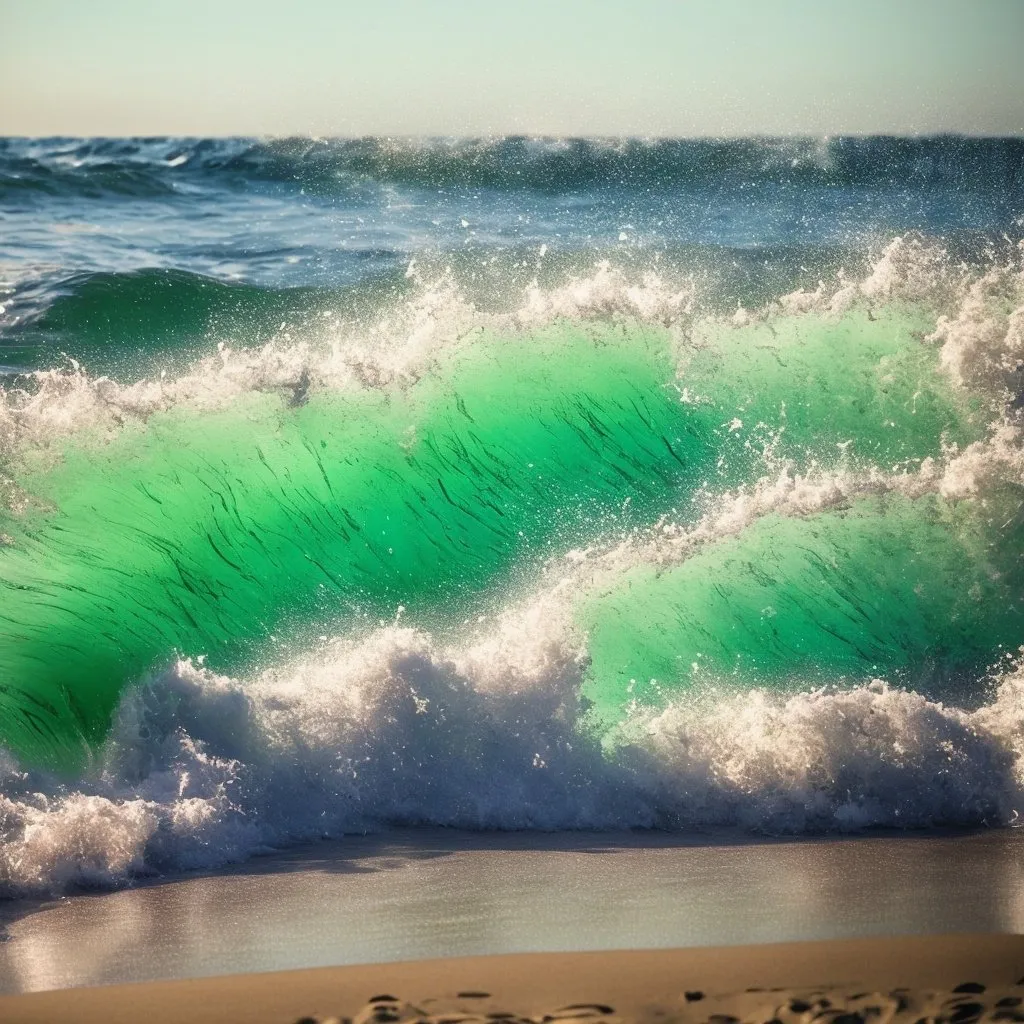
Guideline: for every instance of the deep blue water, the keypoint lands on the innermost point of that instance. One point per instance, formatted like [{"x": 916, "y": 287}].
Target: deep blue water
[{"x": 91, "y": 228}]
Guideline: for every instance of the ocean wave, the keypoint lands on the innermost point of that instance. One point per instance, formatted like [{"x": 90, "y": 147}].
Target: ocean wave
[
  {"x": 597, "y": 559},
  {"x": 390, "y": 332},
  {"x": 203, "y": 769},
  {"x": 143, "y": 167},
  {"x": 132, "y": 323}
]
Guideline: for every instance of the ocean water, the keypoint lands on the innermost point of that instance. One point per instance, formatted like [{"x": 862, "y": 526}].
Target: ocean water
[{"x": 500, "y": 484}]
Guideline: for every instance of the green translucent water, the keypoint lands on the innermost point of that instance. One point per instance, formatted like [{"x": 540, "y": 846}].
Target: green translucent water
[
  {"x": 135, "y": 324},
  {"x": 221, "y": 534},
  {"x": 918, "y": 589}
]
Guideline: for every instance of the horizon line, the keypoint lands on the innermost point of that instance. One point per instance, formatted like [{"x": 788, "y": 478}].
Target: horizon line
[{"x": 553, "y": 136}]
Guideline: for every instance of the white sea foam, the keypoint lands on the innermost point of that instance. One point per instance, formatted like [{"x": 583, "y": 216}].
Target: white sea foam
[
  {"x": 979, "y": 332},
  {"x": 397, "y": 730},
  {"x": 485, "y": 729}
]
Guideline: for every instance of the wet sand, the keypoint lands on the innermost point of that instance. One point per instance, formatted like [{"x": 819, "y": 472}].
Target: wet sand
[
  {"x": 859, "y": 981},
  {"x": 429, "y": 894}
]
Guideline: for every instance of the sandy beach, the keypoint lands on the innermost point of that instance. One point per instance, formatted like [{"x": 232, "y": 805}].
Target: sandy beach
[{"x": 892, "y": 979}]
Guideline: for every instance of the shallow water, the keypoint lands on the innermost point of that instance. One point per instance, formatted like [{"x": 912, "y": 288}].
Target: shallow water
[{"x": 428, "y": 894}]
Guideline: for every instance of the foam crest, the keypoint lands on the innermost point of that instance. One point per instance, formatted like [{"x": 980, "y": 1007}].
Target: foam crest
[
  {"x": 204, "y": 769},
  {"x": 910, "y": 268},
  {"x": 873, "y": 755},
  {"x": 983, "y": 340},
  {"x": 977, "y": 322},
  {"x": 609, "y": 291}
]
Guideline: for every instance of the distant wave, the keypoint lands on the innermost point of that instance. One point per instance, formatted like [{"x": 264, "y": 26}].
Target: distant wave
[
  {"x": 155, "y": 167},
  {"x": 21, "y": 174},
  {"x": 566, "y": 165}
]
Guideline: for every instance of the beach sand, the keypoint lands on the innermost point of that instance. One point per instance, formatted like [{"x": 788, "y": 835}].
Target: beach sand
[
  {"x": 374, "y": 915},
  {"x": 627, "y": 985}
]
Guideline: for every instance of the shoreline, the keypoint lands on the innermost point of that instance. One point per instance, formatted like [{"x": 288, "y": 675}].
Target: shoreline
[
  {"x": 633, "y": 983},
  {"x": 425, "y": 894}
]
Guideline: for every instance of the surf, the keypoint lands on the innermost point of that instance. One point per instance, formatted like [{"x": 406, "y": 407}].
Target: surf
[
  {"x": 604, "y": 558},
  {"x": 227, "y": 532}
]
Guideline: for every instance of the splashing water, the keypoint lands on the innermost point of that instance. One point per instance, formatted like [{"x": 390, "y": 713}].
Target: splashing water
[{"x": 594, "y": 553}]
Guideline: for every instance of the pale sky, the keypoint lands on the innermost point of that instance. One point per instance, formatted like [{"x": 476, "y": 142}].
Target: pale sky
[{"x": 416, "y": 67}]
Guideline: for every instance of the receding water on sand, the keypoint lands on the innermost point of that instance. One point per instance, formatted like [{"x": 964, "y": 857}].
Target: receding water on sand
[{"x": 439, "y": 893}]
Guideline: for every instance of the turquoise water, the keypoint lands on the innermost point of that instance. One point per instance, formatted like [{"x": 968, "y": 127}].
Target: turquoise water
[
  {"x": 218, "y": 533},
  {"x": 500, "y": 484}
]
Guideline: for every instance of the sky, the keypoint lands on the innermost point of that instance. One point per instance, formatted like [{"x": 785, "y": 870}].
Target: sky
[{"x": 470, "y": 67}]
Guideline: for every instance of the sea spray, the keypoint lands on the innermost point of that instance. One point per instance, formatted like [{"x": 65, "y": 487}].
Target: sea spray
[
  {"x": 831, "y": 535},
  {"x": 279, "y": 518}
]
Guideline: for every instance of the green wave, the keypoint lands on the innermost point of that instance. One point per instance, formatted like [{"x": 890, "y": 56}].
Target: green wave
[
  {"x": 924, "y": 592},
  {"x": 242, "y": 533},
  {"x": 140, "y": 323}
]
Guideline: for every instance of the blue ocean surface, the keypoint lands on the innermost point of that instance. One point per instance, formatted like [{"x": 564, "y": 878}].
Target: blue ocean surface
[{"x": 504, "y": 483}]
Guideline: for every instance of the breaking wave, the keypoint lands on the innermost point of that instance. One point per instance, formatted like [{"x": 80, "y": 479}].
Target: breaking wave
[
  {"x": 599, "y": 559},
  {"x": 159, "y": 166}
]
